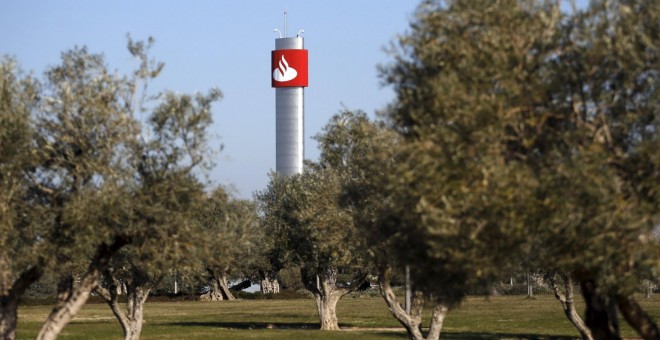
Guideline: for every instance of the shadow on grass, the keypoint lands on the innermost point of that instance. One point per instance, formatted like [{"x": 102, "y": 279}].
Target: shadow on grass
[
  {"x": 248, "y": 325},
  {"x": 500, "y": 336},
  {"x": 394, "y": 332},
  {"x": 302, "y": 326}
]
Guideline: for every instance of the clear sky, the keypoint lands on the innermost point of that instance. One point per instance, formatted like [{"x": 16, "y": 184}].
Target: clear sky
[{"x": 225, "y": 44}]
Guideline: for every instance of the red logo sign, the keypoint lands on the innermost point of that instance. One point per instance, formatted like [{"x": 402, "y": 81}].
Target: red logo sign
[{"x": 289, "y": 68}]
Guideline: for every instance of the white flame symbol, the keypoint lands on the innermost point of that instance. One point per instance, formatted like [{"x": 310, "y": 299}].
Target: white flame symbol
[{"x": 283, "y": 72}]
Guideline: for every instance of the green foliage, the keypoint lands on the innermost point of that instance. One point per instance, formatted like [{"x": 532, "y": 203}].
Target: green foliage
[
  {"x": 364, "y": 153},
  {"x": 64, "y": 140},
  {"x": 230, "y": 234},
  {"x": 459, "y": 76},
  {"x": 275, "y": 207},
  {"x": 307, "y": 218},
  {"x": 289, "y": 278},
  {"x": 322, "y": 235},
  {"x": 19, "y": 96},
  {"x": 84, "y": 128},
  {"x": 163, "y": 193},
  {"x": 83, "y": 182},
  {"x": 528, "y": 132},
  {"x": 601, "y": 177}
]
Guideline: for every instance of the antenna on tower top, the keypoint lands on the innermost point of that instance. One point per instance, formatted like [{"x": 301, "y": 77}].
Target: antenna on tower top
[{"x": 285, "y": 35}]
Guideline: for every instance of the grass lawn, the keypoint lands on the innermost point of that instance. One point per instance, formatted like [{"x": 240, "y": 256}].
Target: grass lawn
[{"x": 510, "y": 317}]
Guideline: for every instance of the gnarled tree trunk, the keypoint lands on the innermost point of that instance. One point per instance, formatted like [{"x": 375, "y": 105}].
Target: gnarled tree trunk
[
  {"x": 218, "y": 287},
  {"x": 327, "y": 294},
  {"x": 137, "y": 294},
  {"x": 566, "y": 300},
  {"x": 8, "y": 318},
  {"x": 10, "y": 294},
  {"x": 269, "y": 282},
  {"x": 328, "y": 313},
  {"x": 224, "y": 287},
  {"x": 74, "y": 298},
  {"x": 70, "y": 301},
  {"x": 601, "y": 315},
  {"x": 637, "y": 318},
  {"x": 411, "y": 322}
]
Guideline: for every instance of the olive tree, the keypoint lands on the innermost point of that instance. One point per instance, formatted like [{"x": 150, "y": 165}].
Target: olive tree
[
  {"x": 367, "y": 153},
  {"x": 164, "y": 237},
  {"x": 164, "y": 197},
  {"x": 20, "y": 265},
  {"x": 318, "y": 235},
  {"x": 452, "y": 187},
  {"x": 600, "y": 176},
  {"x": 530, "y": 129},
  {"x": 83, "y": 128},
  {"x": 230, "y": 228},
  {"x": 76, "y": 158},
  {"x": 273, "y": 212}
]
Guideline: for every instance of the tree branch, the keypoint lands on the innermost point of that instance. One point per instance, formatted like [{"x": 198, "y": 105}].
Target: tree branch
[
  {"x": 357, "y": 281},
  {"x": 26, "y": 279},
  {"x": 304, "y": 276},
  {"x": 385, "y": 274},
  {"x": 637, "y": 317},
  {"x": 111, "y": 298}
]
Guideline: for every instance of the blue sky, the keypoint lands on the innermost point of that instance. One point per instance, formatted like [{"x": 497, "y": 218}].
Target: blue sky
[{"x": 225, "y": 44}]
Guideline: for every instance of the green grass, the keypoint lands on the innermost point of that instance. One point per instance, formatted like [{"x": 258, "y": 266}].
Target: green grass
[{"x": 363, "y": 318}]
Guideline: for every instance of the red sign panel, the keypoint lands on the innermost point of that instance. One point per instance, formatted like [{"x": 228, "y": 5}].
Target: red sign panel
[{"x": 289, "y": 68}]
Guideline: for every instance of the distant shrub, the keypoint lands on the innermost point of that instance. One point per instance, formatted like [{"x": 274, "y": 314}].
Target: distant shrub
[
  {"x": 518, "y": 289},
  {"x": 284, "y": 294},
  {"x": 371, "y": 292},
  {"x": 289, "y": 278}
]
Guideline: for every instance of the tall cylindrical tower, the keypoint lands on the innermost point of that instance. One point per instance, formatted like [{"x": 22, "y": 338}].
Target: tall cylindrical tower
[{"x": 289, "y": 78}]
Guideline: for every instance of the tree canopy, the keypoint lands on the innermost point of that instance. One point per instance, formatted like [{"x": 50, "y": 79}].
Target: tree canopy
[
  {"x": 529, "y": 129},
  {"x": 86, "y": 185}
]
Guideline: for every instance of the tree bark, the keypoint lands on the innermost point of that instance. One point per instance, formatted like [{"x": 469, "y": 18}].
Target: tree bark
[
  {"x": 68, "y": 307},
  {"x": 8, "y": 318},
  {"x": 437, "y": 320},
  {"x": 600, "y": 317},
  {"x": 137, "y": 296},
  {"x": 218, "y": 287},
  {"x": 566, "y": 300},
  {"x": 76, "y": 297},
  {"x": 137, "y": 293},
  {"x": 224, "y": 287},
  {"x": 10, "y": 294},
  {"x": 269, "y": 283},
  {"x": 327, "y": 294},
  {"x": 637, "y": 318},
  {"x": 328, "y": 315},
  {"x": 111, "y": 297},
  {"x": 412, "y": 321}
]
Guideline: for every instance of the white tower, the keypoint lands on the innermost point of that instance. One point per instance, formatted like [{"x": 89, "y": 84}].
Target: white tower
[{"x": 289, "y": 78}]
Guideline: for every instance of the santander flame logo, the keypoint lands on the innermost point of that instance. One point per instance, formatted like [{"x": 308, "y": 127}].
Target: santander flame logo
[
  {"x": 289, "y": 68},
  {"x": 284, "y": 72}
]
